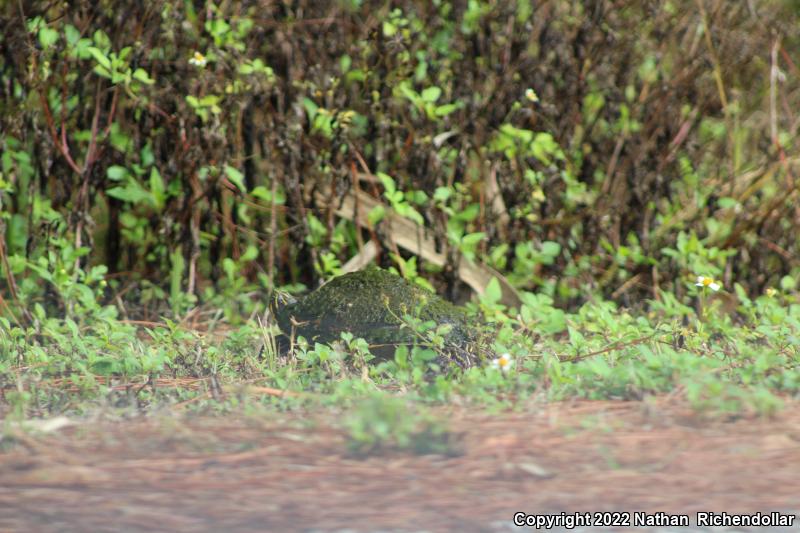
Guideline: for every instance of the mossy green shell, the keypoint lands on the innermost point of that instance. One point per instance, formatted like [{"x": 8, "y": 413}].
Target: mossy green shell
[{"x": 371, "y": 304}]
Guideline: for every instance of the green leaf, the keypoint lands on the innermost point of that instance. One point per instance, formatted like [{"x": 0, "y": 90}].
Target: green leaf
[
  {"x": 418, "y": 197},
  {"x": 47, "y": 37},
  {"x": 261, "y": 192},
  {"x": 210, "y": 100},
  {"x": 250, "y": 254},
  {"x": 119, "y": 77},
  {"x": 310, "y": 107},
  {"x": 157, "y": 188},
  {"x": 146, "y": 155},
  {"x": 100, "y": 57},
  {"x": 123, "y": 54},
  {"x": 409, "y": 212},
  {"x": 34, "y": 24},
  {"x": 141, "y": 75},
  {"x": 551, "y": 248},
  {"x": 355, "y": 75},
  {"x": 236, "y": 177},
  {"x": 81, "y": 50},
  {"x": 317, "y": 232},
  {"x": 132, "y": 192},
  {"x": 389, "y": 29},
  {"x": 523, "y": 135},
  {"x": 472, "y": 239},
  {"x": 116, "y": 172},
  {"x": 545, "y": 147},
  {"x": 469, "y": 244},
  {"x": 444, "y": 110},
  {"x": 493, "y": 292},
  {"x": 388, "y": 183},
  {"x": 229, "y": 266},
  {"x": 101, "y": 40},
  {"x": 431, "y": 94},
  {"x": 376, "y": 214},
  {"x": 100, "y": 71},
  {"x": 395, "y": 197},
  {"x": 576, "y": 339},
  {"x": 266, "y": 194},
  {"x": 119, "y": 140},
  {"x": 441, "y": 194},
  {"x": 344, "y": 63},
  {"x": 72, "y": 34},
  {"x": 469, "y": 213}
]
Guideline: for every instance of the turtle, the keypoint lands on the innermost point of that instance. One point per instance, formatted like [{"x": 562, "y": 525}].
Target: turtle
[{"x": 372, "y": 304}]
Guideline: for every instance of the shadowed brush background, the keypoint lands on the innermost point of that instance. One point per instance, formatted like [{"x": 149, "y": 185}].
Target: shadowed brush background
[{"x": 662, "y": 144}]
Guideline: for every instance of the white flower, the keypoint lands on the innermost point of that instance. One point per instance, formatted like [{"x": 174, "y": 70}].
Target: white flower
[
  {"x": 704, "y": 281},
  {"x": 531, "y": 95},
  {"x": 198, "y": 60},
  {"x": 503, "y": 363}
]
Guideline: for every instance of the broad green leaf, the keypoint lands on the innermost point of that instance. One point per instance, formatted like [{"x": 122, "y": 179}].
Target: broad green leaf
[
  {"x": 472, "y": 239},
  {"x": 249, "y": 254},
  {"x": 141, "y": 75},
  {"x": 101, "y": 40},
  {"x": 132, "y": 192},
  {"x": 266, "y": 194},
  {"x": 261, "y": 192},
  {"x": 101, "y": 71},
  {"x": 389, "y": 29},
  {"x": 310, "y": 107},
  {"x": 157, "y": 188},
  {"x": 229, "y": 266},
  {"x": 123, "y": 54},
  {"x": 236, "y": 177},
  {"x": 441, "y": 194},
  {"x": 100, "y": 57},
  {"x": 344, "y": 63},
  {"x": 71, "y": 34},
  {"x": 493, "y": 292},
  {"x": 47, "y": 37},
  {"x": 551, "y": 248},
  {"x": 376, "y": 214},
  {"x": 407, "y": 211},
  {"x": 210, "y": 100},
  {"x": 116, "y": 172},
  {"x": 545, "y": 147},
  {"x": 431, "y": 94},
  {"x": 444, "y": 110},
  {"x": 388, "y": 183}
]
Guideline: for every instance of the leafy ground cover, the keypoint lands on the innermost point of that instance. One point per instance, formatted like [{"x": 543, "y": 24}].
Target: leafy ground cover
[{"x": 719, "y": 361}]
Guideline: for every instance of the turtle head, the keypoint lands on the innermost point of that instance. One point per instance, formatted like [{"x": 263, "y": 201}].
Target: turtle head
[{"x": 280, "y": 305}]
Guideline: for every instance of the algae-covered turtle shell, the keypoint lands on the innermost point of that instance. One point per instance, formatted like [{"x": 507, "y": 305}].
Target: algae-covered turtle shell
[{"x": 371, "y": 304}]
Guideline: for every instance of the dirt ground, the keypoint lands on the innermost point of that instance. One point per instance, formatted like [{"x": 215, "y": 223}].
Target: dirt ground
[{"x": 292, "y": 472}]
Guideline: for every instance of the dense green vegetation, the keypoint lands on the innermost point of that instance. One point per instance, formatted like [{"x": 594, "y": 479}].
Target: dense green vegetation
[{"x": 166, "y": 165}]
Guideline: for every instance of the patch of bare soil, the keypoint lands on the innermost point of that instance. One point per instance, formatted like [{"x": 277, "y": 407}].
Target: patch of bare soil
[{"x": 293, "y": 472}]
